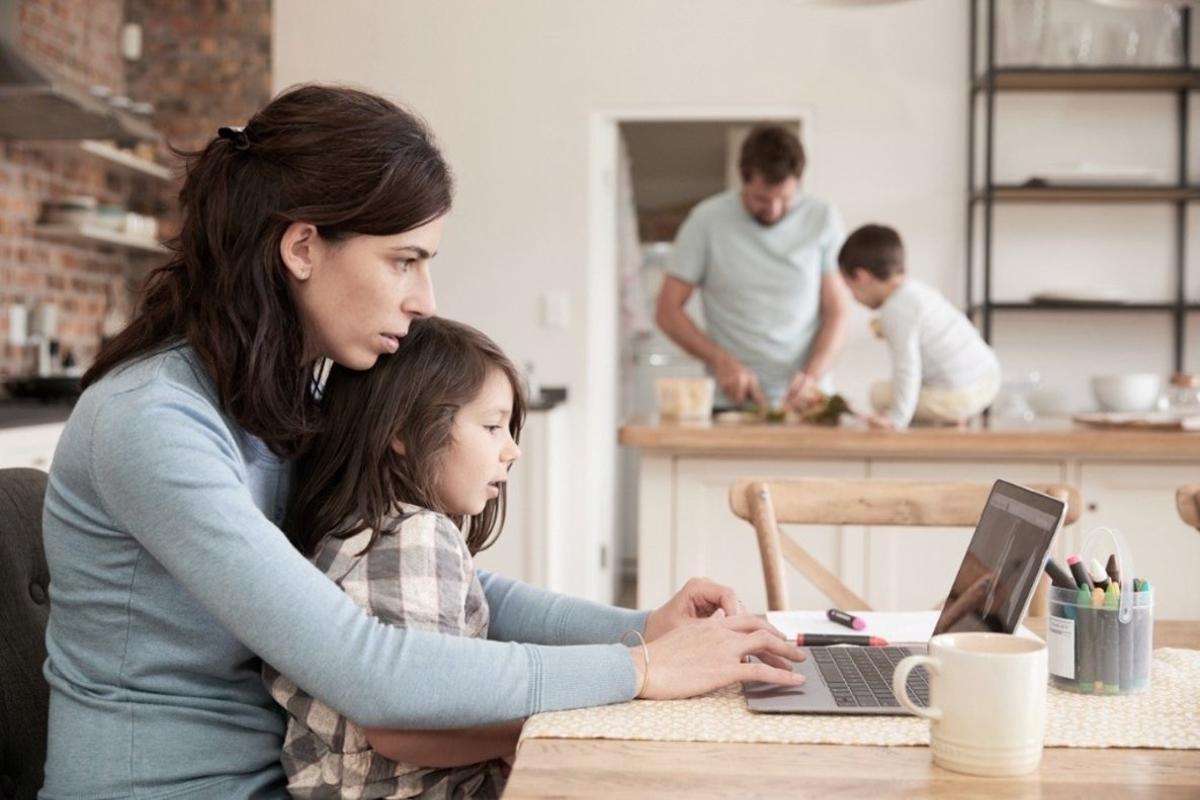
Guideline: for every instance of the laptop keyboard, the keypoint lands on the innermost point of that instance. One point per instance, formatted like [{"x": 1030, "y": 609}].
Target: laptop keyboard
[{"x": 861, "y": 677}]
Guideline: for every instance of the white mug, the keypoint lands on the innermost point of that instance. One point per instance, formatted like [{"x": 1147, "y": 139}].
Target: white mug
[{"x": 987, "y": 701}]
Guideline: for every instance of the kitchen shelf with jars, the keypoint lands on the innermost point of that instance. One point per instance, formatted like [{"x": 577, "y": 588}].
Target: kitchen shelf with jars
[
  {"x": 82, "y": 219},
  {"x": 1102, "y": 49}
]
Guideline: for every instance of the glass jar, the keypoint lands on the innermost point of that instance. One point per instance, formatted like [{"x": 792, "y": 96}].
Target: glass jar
[{"x": 1183, "y": 394}]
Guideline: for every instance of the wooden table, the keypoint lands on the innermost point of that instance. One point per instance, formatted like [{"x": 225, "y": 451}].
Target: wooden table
[{"x": 565, "y": 768}]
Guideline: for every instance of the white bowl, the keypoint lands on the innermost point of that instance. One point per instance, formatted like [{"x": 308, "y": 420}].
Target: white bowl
[{"x": 1137, "y": 392}]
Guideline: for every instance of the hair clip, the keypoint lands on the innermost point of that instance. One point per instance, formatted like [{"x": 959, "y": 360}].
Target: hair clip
[{"x": 236, "y": 135}]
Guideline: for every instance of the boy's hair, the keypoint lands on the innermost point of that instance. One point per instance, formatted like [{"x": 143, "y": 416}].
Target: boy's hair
[
  {"x": 344, "y": 160},
  {"x": 350, "y": 478},
  {"x": 773, "y": 152},
  {"x": 875, "y": 248}
]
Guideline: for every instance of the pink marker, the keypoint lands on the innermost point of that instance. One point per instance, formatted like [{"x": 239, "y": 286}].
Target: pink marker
[{"x": 842, "y": 618}]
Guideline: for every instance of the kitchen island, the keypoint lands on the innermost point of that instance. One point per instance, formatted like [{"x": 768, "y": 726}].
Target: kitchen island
[{"x": 1126, "y": 478}]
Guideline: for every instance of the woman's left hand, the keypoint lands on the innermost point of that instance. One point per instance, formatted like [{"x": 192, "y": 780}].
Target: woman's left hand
[{"x": 699, "y": 599}]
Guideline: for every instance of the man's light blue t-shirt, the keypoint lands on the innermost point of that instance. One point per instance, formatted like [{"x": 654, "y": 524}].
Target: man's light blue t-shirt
[
  {"x": 760, "y": 285},
  {"x": 169, "y": 580}
]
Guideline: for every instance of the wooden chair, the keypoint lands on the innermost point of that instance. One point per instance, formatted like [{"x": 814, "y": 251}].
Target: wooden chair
[
  {"x": 1187, "y": 500},
  {"x": 766, "y": 504}
]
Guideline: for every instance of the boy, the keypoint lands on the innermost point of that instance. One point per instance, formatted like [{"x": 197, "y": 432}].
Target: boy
[{"x": 942, "y": 370}]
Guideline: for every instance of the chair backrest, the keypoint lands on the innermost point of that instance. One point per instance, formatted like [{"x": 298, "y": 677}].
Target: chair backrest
[
  {"x": 1187, "y": 500},
  {"x": 768, "y": 503},
  {"x": 24, "y": 609}
]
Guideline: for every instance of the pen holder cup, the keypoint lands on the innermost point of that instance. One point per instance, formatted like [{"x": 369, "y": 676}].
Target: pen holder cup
[{"x": 1093, "y": 651}]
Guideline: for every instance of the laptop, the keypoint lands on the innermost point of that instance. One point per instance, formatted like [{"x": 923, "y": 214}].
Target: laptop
[{"x": 991, "y": 592}]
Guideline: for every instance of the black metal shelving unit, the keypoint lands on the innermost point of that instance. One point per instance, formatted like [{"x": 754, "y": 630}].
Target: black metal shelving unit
[{"x": 985, "y": 80}]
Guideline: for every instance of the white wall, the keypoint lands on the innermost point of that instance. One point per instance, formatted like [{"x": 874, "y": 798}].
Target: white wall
[{"x": 510, "y": 87}]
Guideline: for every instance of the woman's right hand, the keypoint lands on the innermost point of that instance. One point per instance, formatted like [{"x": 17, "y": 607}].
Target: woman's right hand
[{"x": 709, "y": 654}]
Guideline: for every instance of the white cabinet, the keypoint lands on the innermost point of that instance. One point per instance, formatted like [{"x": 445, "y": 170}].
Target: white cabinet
[
  {"x": 1139, "y": 501},
  {"x": 29, "y": 446},
  {"x": 535, "y": 544},
  {"x": 686, "y": 529}
]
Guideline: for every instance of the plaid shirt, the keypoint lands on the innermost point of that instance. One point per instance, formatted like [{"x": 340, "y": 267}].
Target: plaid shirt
[{"x": 422, "y": 577}]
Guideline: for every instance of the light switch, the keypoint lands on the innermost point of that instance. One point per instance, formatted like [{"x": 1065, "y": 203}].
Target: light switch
[{"x": 18, "y": 325}]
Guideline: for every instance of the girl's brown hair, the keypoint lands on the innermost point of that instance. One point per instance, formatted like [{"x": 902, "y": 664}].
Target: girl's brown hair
[
  {"x": 350, "y": 478},
  {"x": 347, "y": 162}
]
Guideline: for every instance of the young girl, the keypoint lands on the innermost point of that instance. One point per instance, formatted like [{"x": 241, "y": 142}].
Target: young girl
[{"x": 402, "y": 487}]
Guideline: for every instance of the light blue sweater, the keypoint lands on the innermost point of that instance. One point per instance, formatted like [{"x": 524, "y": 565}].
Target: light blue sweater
[{"x": 170, "y": 579}]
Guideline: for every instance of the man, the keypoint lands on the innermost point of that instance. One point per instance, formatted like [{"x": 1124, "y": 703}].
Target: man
[{"x": 765, "y": 261}]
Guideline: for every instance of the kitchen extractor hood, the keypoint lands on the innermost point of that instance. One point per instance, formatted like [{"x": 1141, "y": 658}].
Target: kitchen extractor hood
[{"x": 35, "y": 104}]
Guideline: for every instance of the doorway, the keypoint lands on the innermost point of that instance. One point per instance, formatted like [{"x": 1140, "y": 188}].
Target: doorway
[{"x": 649, "y": 169}]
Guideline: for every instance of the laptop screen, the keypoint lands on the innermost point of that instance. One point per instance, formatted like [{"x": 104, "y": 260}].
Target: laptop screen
[{"x": 1003, "y": 561}]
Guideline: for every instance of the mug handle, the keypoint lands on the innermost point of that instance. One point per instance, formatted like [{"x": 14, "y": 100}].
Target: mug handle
[{"x": 900, "y": 684}]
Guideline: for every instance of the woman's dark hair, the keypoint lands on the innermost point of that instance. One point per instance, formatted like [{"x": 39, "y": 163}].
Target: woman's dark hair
[
  {"x": 350, "y": 478},
  {"x": 773, "y": 152},
  {"x": 875, "y": 248},
  {"x": 347, "y": 162}
]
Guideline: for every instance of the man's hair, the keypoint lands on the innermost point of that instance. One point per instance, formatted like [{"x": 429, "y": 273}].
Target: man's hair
[
  {"x": 773, "y": 152},
  {"x": 875, "y": 248}
]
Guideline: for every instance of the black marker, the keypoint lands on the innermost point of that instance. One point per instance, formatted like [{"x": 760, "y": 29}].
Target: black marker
[
  {"x": 1080, "y": 573},
  {"x": 1059, "y": 576}
]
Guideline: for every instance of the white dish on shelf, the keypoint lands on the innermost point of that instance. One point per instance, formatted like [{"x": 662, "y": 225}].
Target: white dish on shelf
[{"x": 1133, "y": 393}]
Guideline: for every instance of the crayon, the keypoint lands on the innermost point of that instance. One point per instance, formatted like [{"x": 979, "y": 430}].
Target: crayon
[
  {"x": 1098, "y": 575},
  {"x": 1110, "y": 644},
  {"x": 1083, "y": 641},
  {"x": 825, "y": 639},
  {"x": 1058, "y": 576},
  {"x": 1097, "y": 641},
  {"x": 842, "y": 618},
  {"x": 1080, "y": 573},
  {"x": 1111, "y": 568}
]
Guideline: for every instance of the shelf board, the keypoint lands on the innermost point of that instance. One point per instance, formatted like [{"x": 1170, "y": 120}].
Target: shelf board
[
  {"x": 125, "y": 160},
  {"x": 1090, "y": 194},
  {"x": 113, "y": 156},
  {"x": 93, "y": 234},
  {"x": 1047, "y": 79},
  {"x": 1085, "y": 306},
  {"x": 59, "y": 111}
]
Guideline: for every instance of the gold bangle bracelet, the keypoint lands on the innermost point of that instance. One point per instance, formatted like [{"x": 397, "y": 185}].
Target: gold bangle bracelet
[{"x": 645, "y": 656}]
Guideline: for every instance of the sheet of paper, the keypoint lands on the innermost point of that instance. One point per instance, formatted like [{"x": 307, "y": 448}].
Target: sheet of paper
[{"x": 898, "y": 627}]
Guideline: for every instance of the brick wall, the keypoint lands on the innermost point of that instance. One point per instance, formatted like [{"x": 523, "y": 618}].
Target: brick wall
[{"x": 205, "y": 63}]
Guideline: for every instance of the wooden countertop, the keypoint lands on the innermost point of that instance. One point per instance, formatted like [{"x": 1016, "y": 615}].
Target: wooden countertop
[{"x": 1053, "y": 439}]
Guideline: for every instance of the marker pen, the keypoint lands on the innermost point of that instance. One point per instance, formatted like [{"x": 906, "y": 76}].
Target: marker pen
[
  {"x": 1143, "y": 619},
  {"x": 842, "y": 618},
  {"x": 1059, "y": 576},
  {"x": 1125, "y": 641},
  {"x": 824, "y": 639},
  {"x": 1084, "y": 660},
  {"x": 1098, "y": 641},
  {"x": 1111, "y": 568},
  {"x": 1080, "y": 573},
  {"x": 1111, "y": 643},
  {"x": 1098, "y": 575}
]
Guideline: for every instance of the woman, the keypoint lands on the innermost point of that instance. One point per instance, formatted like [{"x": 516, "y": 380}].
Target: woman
[{"x": 305, "y": 236}]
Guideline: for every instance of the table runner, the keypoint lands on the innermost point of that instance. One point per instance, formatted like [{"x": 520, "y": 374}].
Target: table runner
[{"x": 1165, "y": 716}]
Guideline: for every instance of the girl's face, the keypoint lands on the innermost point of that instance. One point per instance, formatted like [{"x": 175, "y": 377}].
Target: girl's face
[
  {"x": 356, "y": 297},
  {"x": 481, "y": 451}
]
